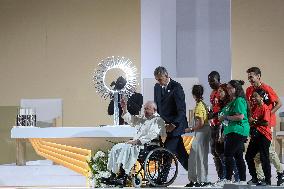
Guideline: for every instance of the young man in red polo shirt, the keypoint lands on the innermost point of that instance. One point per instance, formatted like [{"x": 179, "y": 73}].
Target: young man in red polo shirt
[
  {"x": 214, "y": 82},
  {"x": 254, "y": 75}
]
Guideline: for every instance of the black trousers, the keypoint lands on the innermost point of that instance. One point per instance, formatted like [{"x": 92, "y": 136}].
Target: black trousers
[
  {"x": 234, "y": 148},
  {"x": 217, "y": 149},
  {"x": 176, "y": 146},
  {"x": 259, "y": 143}
]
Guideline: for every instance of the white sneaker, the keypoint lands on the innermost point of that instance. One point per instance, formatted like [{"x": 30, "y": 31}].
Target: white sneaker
[
  {"x": 241, "y": 183},
  {"x": 221, "y": 183},
  {"x": 217, "y": 182}
]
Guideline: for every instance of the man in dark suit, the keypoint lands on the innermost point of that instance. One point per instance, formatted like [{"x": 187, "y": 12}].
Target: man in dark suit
[
  {"x": 170, "y": 99},
  {"x": 134, "y": 102}
]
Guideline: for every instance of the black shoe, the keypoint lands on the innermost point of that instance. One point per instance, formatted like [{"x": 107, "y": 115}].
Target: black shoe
[
  {"x": 203, "y": 184},
  {"x": 280, "y": 177},
  {"x": 121, "y": 182},
  {"x": 105, "y": 180},
  {"x": 268, "y": 182},
  {"x": 190, "y": 184},
  {"x": 197, "y": 184},
  {"x": 252, "y": 181},
  {"x": 109, "y": 180},
  {"x": 263, "y": 183}
]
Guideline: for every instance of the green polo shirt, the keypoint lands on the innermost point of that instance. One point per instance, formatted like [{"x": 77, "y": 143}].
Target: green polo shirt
[{"x": 237, "y": 106}]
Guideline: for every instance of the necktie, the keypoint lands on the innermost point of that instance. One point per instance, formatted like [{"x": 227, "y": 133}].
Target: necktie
[{"x": 163, "y": 91}]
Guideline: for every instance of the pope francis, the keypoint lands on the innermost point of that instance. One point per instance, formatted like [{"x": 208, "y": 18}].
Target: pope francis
[{"x": 123, "y": 156}]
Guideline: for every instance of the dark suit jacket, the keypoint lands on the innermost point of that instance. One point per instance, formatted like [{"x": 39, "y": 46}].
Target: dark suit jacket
[
  {"x": 171, "y": 106},
  {"x": 134, "y": 105}
]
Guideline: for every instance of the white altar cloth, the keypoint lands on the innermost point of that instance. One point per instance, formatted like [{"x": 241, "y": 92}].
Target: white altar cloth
[{"x": 117, "y": 131}]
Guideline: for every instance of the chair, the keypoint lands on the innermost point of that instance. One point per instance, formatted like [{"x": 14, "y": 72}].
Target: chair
[{"x": 48, "y": 110}]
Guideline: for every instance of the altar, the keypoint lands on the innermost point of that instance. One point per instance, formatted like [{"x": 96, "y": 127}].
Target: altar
[
  {"x": 118, "y": 131},
  {"x": 52, "y": 143}
]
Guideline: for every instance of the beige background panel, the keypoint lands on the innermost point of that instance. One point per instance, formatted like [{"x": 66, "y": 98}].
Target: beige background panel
[
  {"x": 49, "y": 49},
  {"x": 257, "y": 40}
]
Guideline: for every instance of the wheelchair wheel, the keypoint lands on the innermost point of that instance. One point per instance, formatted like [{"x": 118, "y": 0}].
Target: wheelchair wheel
[
  {"x": 161, "y": 167},
  {"x": 137, "y": 181}
]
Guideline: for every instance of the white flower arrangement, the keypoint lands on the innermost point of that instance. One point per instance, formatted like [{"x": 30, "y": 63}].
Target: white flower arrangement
[
  {"x": 99, "y": 154},
  {"x": 98, "y": 168}
]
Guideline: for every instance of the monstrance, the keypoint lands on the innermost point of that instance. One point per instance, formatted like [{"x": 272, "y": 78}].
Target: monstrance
[{"x": 107, "y": 79}]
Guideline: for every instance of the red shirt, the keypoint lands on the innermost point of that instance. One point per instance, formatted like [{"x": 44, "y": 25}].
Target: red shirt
[
  {"x": 216, "y": 106},
  {"x": 262, "y": 113},
  {"x": 272, "y": 97}
]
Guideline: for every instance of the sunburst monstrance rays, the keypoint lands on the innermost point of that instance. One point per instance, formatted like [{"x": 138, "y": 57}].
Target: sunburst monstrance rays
[{"x": 110, "y": 63}]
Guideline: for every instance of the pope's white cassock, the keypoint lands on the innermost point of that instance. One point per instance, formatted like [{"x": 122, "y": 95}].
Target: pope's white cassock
[{"x": 147, "y": 129}]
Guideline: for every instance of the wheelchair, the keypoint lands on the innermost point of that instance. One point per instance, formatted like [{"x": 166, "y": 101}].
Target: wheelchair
[{"x": 156, "y": 167}]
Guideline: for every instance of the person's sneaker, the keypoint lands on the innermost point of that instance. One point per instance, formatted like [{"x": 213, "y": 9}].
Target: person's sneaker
[
  {"x": 197, "y": 184},
  {"x": 190, "y": 184},
  {"x": 252, "y": 182},
  {"x": 217, "y": 182},
  {"x": 280, "y": 177},
  {"x": 222, "y": 183},
  {"x": 203, "y": 184},
  {"x": 263, "y": 183},
  {"x": 241, "y": 183}
]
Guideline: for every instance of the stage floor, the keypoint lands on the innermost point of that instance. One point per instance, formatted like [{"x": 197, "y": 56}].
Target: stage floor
[{"x": 43, "y": 174}]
